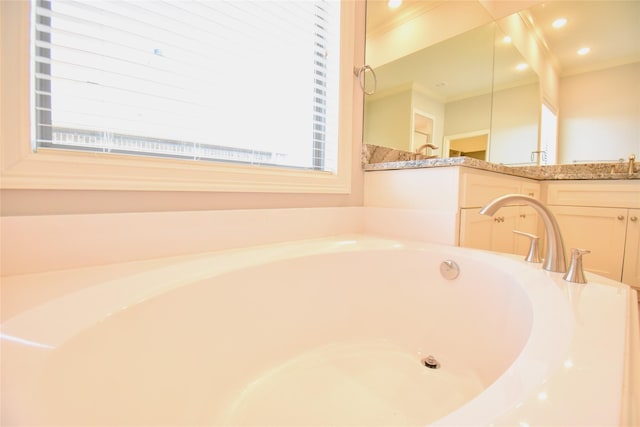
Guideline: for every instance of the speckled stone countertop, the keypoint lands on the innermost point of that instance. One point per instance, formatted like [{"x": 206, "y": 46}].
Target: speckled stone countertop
[{"x": 375, "y": 158}]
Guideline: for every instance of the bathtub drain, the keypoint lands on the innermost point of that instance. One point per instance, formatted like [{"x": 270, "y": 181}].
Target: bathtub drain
[{"x": 430, "y": 362}]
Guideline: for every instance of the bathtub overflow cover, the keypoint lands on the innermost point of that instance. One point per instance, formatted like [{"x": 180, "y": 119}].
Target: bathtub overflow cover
[
  {"x": 449, "y": 269},
  {"x": 430, "y": 362}
]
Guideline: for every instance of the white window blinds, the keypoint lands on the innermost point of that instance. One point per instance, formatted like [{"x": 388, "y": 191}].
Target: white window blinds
[{"x": 249, "y": 81}]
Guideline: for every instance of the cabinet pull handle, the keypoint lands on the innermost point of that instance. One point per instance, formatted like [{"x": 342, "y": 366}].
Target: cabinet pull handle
[
  {"x": 620, "y": 217},
  {"x": 531, "y": 194},
  {"x": 523, "y": 215},
  {"x": 634, "y": 218}
]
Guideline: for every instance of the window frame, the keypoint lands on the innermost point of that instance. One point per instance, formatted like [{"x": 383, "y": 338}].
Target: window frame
[{"x": 51, "y": 168}]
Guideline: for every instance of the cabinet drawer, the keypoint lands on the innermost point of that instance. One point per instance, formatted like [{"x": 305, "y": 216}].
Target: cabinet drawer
[
  {"x": 531, "y": 189},
  {"x": 479, "y": 189},
  {"x": 620, "y": 194}
]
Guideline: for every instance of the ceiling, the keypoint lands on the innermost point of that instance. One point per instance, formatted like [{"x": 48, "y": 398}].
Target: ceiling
[
  {"x": 381, "y": 18},
  {"x": 611, "y": 28},
  {"x": 456, "y": 68}
]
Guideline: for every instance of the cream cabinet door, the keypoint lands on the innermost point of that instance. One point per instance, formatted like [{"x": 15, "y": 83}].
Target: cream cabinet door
[
  {"x": 494, "y": 233},
  {"x": 600, "y": 230},
  {"x": 475, "y": 229},
  {"x": 631, "y": 268},
  {"x": 527, "y": 221}
]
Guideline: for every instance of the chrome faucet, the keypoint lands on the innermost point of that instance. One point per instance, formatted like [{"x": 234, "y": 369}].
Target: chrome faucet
[
  {"x": 575, "y": 274},
  {"x": 632, "y": 165},
  {"x": 427, "y": 145},
  {"x": 554, "y": 259},
  {"x": 418, "y": 155}
]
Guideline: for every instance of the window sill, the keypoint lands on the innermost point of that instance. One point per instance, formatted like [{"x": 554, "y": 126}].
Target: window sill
[{"x": 53, "y": 169}]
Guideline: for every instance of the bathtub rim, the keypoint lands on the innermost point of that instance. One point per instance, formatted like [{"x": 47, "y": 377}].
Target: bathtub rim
[{"x": 530, "y": 276}]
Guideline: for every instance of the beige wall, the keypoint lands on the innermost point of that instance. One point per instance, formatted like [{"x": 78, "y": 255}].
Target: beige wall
[
  {"x": 42, "y": 202},
  {"x": 468, "y": 115},
  {"x": 388, "y": 120}
]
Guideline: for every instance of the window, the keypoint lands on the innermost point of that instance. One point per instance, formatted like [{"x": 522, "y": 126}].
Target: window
[
  {"x": 548, "y": 135},
  {"x": 263, "y": 149},
  {"x": 241, "y": 81}
]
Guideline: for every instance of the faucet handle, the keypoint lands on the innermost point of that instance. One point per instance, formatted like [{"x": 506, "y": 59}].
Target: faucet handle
[
  {"x": 632, "y": 164},
  {"x": 575, "y": 274},
  {"x": 533, "y": 255}
]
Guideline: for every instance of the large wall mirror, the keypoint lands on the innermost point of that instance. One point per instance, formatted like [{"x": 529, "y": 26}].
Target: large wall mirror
[{"x": 457, "y": 78}]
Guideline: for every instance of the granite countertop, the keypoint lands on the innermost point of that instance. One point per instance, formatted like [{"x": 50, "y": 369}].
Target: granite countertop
[{"x": 376, "y": 158}]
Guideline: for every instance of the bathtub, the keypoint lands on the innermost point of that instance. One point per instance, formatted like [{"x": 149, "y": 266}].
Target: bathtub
[{"x": 348, "y": 330}]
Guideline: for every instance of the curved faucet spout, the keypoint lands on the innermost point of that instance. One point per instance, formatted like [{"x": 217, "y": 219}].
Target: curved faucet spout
[
  {"x": 554, "y": 259},
  {"x": 427, "y": 145}
]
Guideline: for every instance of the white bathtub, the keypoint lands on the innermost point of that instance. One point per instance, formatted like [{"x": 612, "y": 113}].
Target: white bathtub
[{"x": 321, "y": 332}]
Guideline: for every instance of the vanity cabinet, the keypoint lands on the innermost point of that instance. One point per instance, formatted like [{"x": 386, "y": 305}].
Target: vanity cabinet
[
  {"x": 495, "y": 233},
  {"x": 631, "y": 263},
  {"x": 480, "y": 187},
  {"x": 603, "y": 217},
  {"x": 442, "y": 205},
  {"x": 600, "y": 230}
]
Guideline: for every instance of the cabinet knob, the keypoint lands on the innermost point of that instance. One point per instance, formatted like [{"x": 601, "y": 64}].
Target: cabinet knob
[
  {"x": 634, "y": 218},
  {"x": 620, "y": 217}
]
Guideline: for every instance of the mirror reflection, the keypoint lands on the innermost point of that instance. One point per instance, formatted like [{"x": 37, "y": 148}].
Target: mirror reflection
[
  {"x": 515, "y": 106},
  {"x": 447, "y": 84},
  {"x": 470, "y": 83}
]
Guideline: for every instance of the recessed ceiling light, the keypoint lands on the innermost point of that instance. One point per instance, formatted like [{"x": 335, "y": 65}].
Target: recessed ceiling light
[
  {"x": 506, "y": 39},
  {"x": 584, "y": 50},
  {"x": 522, "y": 66},
  {"x": 394, "y": 4},
  {"x": 559, "y": 23}
]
